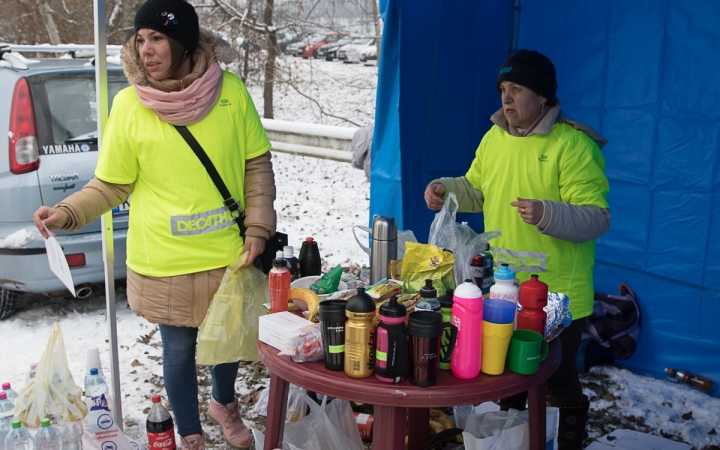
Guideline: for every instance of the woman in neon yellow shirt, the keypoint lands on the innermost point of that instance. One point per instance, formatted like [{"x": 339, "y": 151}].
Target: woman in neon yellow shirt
[{"x": 539, "y": 178}]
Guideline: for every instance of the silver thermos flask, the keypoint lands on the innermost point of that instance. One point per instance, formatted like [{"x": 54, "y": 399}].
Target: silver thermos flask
[{"x": 384, "y": 247}]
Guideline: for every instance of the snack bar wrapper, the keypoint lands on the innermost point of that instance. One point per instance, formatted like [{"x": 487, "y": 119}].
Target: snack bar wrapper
[{"x": 558, "y": 314}]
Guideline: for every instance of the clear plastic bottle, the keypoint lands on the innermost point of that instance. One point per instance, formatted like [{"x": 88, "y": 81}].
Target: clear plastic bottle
[
  {"x": 71, "y": 435},
  {"x": 18, "y": 438},
  {"x": 96, "y": 391},
  {"x": 11, "y": 394},
  {"x": 159, "y": 426},
  {"x": 6, "y": 417},
  {"x": 31, "y": 373},
  {"x": 48, "y": 438}
]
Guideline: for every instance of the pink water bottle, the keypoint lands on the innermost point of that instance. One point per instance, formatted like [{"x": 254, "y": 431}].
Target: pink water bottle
[{"x": 467, "y": 316}]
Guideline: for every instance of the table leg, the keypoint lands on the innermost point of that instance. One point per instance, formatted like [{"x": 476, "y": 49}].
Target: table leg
[
  {"x": 418, "y": 428},
  {"x": 277, "y": 402},
  {"x": 388, "y": 427},
  {"x": 536, "y": 409}
]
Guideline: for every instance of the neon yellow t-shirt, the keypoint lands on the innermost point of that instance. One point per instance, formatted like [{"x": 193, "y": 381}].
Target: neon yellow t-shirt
[
  {"x": 178, "y": 224},
  {"x": 564, "y": 166}
]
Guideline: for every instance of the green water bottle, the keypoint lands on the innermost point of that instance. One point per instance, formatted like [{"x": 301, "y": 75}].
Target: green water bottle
[{"x": 446, "y": 302}]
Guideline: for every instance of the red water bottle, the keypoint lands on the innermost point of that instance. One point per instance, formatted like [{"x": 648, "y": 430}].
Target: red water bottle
[
  {"x": 533, "y": 298},
  {"x": 279, "y": 283},
  {"x": 159, "y": 425}
]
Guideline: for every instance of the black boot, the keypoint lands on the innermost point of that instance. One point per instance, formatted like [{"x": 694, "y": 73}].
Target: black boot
[{"x": 571, "y": 430}]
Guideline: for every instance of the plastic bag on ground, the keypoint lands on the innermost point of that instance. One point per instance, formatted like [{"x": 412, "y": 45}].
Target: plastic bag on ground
[
  {"x": 295, "y": 409},
  {"x": 460, "y": 239},
  {"x": 52, "y": 392},
  {"x": 230, "y": 327},
  {"x": 507, "y": 430}
]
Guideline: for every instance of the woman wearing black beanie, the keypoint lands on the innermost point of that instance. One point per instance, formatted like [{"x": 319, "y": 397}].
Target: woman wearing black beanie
[
  {"x": 181, "y": 237},
  {"x": 539, "y": 177}
]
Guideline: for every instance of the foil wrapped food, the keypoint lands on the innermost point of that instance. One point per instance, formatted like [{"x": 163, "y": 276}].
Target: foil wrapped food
[{"x": 558, "y": 314}]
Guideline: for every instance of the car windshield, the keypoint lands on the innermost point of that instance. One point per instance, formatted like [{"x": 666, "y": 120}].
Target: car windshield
[
  {"x": 362, "y": 41},
  {"x": 320, "y": 38},
  {"x": 344, "y": 41}
]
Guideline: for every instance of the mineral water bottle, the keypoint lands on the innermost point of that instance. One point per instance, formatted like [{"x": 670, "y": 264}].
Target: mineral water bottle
[
  {"x": 31, "y": 373},
  {"x": 6, "y": 417},
  {"x": 11, "y": 394},
  {"x": 71, "y": 435},
  {"x": 96, "y": 391},
  {"x": 18, "y": 438},
  {"x": 48, "y": 438},
  {"x": 159, "y": 425}
]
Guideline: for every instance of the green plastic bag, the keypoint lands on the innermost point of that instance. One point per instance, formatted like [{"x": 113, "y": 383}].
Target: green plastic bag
[{"x": 229, "y": 330}]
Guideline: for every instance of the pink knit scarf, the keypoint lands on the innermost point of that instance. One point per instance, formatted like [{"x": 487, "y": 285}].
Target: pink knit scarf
[{"x": 189, "y": 105}]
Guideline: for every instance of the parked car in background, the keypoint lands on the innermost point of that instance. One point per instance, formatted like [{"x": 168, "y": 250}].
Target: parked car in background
[
  {"x": 48, "y": 110},
  {"x": 368, "y": 54},
  {"x": 311, "y": 49},
  {"x": 351, "y": 52},
  {"x": 355, "y": 44},
  {"x": 287, "y": 37},
  {"x": 329, "y": 51}
]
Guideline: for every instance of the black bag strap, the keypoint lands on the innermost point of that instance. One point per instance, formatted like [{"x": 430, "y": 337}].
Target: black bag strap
[{"x": 230, "y": 203}]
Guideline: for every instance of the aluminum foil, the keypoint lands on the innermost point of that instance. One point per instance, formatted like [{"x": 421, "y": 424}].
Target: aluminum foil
[{"x": 558, "y": 314}]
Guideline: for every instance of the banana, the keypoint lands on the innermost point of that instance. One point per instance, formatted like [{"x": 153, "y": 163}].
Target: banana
[
  {"x": 435, "y": 427},
  {"x": 310, "y": 299}
]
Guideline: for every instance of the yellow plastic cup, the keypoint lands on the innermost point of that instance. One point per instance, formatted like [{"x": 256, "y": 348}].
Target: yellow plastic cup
[{"x": 495, "y": 343}]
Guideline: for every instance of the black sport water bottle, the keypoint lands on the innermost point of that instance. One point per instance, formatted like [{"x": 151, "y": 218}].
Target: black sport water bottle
[
  {"x": 310, "y": 263},
  {"x": 159, "y": 425}
]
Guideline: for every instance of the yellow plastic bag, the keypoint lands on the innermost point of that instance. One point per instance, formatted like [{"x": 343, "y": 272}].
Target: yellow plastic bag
[
  {"x": 427, "y": 262},
  {"x": 52, "y": 392},
  {"x": 229, "y": 330}
]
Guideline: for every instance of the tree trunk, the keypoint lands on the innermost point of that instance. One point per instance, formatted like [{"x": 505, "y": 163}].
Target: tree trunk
[
  {"x": 272, "y": 52},
  {"x": 378, "y": 30},
  {"x": 52, "y": 30}
]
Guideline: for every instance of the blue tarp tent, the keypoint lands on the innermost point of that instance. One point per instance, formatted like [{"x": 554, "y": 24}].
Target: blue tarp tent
[{"x": 644, "y": 74}]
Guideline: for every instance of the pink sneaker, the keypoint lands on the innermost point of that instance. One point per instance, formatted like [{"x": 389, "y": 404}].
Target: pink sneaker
[
  {"x": 192, "y": 442},
  {"x": 228, "y": 417}
]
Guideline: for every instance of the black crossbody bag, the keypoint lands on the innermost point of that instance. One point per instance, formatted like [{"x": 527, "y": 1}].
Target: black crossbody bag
[{"x": 264, "y": 261}]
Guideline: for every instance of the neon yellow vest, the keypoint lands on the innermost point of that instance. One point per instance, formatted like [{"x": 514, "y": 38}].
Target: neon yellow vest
[
  {"x": 564, "y": 166},
  {"x": 178, "y": 224}
]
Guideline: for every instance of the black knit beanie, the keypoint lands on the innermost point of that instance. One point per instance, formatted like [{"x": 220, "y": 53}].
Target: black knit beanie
[
  {"x": 175, "y": 18},
  {"x": 531, "y": 69}
]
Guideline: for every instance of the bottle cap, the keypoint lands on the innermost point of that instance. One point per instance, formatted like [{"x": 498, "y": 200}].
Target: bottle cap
[
  {"x": 392, "y": 308},
  {"x": 6, "y": 385},
  {"x": 16, "y": 423},
  {"x": 504, "y": 273},
  {"x": 468, "y": 290},
  {"x": 309, "y": 239},
  {"x": 93, "y": 371},
  {"x": 360, "y": 302},
  {"x": 3, "y": 395},
  {"x": 45, "y": 422},
  {"x": 156, "y": 398},
  {"x": 428, "y": 291},
  {"x": 288, "y": 251},
  {"x": 279, "y": 260},
  {"x": 446, "y": 301}
]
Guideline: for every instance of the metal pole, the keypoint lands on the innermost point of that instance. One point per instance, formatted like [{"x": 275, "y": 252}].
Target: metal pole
[{"x": 101, "y": 98}]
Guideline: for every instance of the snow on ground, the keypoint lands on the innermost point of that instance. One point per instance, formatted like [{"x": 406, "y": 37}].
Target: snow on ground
[{"x": 323, "y": 199}]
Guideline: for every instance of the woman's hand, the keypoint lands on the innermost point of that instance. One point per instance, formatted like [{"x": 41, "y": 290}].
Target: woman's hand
[
  {"x": 254, "y": 246},
  {"x": 434, "y": 196},
  {"x": 54, "y": 219},
  {"x": 531, "y": 211}
]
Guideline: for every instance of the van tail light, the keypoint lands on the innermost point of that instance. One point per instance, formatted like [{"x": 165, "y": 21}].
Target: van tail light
[
  {"x": 23, "y": 148},
  {"x": 75, "y": 260}
]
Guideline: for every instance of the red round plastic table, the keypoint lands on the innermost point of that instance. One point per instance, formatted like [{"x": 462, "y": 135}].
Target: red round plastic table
[{"x": 396, "y": 403}]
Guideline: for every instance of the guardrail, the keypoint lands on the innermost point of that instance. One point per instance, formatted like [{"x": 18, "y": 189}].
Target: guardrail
[{"x": 320, "y": 141}]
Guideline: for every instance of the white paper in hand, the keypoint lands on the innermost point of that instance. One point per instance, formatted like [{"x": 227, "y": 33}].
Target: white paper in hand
[{"x": 58, "y": 263}]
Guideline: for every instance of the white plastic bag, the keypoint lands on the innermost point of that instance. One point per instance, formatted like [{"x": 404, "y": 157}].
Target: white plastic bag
[
  {"x": 507, "y": 430},
  {"x": 295, "y": 409},
  {"x": 328, "y": 427},
  {"x": 460, "y": 239}
]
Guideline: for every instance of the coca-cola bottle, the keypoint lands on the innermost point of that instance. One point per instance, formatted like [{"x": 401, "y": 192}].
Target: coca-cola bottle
[{"x": 160, "y": 429}]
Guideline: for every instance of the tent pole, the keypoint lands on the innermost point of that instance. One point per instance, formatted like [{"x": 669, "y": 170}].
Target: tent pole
[
  {"x": 101, "y": 99},
  {"x": 515, "y": 27}
]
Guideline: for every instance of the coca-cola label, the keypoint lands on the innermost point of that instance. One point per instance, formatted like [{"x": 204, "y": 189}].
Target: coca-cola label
[{"x": 165, "y": 440}]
